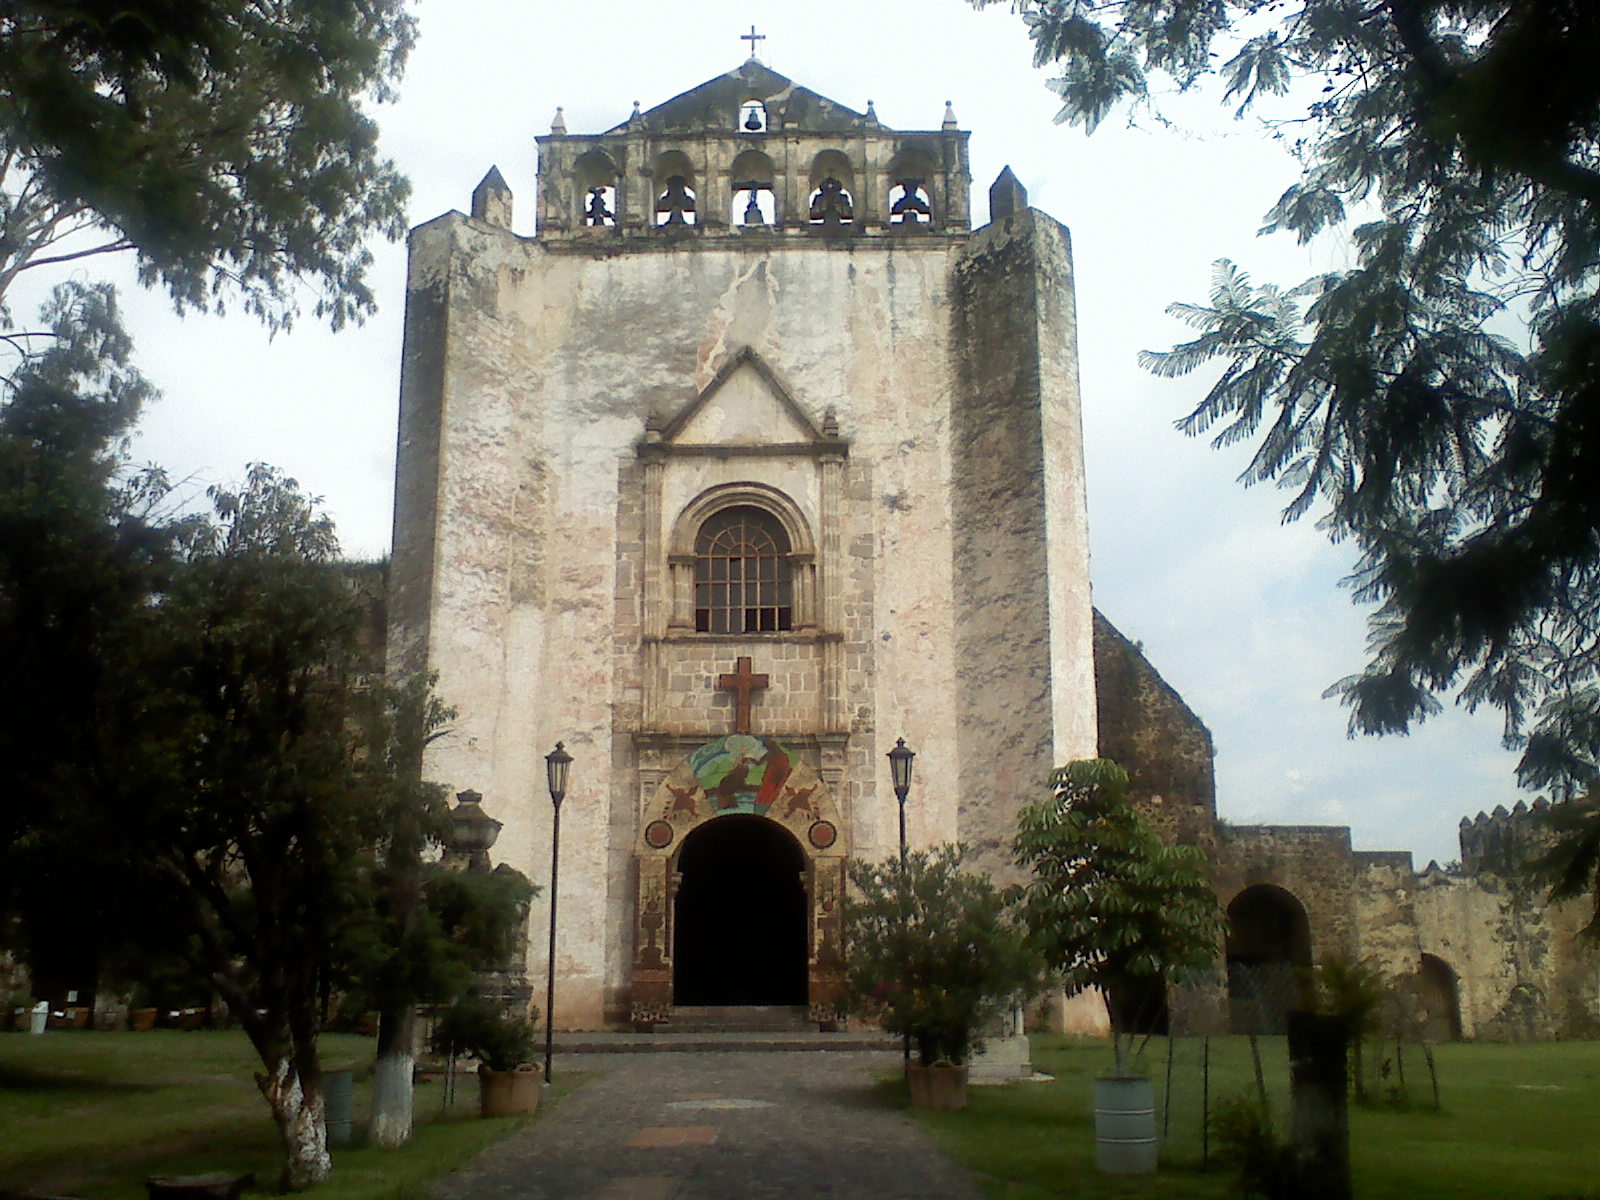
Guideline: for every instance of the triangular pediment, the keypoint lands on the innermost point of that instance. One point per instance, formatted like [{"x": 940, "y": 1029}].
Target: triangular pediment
[
  {"x": 745, "y": 405},
  {"x": 710, "y": 105}
]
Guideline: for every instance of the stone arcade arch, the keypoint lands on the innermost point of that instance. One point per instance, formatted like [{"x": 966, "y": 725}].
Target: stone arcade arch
[
  {"x": 747, "y": 797},
  {"x": 1269, "y": 941},
  {"x": 1439, "y": 995}
]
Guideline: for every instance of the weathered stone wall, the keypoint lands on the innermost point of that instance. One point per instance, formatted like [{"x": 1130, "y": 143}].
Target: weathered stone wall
[
  {"x": 1384, "y": 899},
  {"x": 1311, "y": 862},
  {"x": 1523, "y": 970},
  {"x": 1023, "y": 625},
  {"x": 1157, "y": 738},
  {"x": 538, "y": 503}
]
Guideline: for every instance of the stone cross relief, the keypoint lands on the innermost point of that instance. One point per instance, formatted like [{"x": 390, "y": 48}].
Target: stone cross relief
[{"x": 743, "y": 684}]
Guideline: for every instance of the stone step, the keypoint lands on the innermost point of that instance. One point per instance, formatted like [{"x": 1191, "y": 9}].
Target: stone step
[{"x": 739, "y": 1018}]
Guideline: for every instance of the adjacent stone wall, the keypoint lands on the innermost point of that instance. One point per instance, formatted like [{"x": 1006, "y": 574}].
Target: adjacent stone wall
[
  {"x": 1157, "y": 738},
  {"x": 1311, "y": 862},
  {"x": 1023, "y": 624}
]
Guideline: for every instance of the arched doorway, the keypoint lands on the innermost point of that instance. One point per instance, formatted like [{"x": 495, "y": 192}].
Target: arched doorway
[
  {"x": 740, "y": 915},
  {"x": 1440, "y": 996},
  {"x": 1269, "y": 941}
]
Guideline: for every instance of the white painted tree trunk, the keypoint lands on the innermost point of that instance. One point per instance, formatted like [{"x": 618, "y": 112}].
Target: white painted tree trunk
[
  {"x": 301, "y": 1117},
  {"x": 390, "y": 1123}
]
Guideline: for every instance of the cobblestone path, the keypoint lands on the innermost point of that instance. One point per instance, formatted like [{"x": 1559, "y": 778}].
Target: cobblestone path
[{"x": 718, "y": 1126}]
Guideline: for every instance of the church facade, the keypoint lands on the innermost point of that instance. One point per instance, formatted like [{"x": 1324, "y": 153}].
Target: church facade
[{"x": 756, "y": 459}]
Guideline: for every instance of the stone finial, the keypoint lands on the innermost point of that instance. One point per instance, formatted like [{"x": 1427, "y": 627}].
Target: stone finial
[
  {"x": 558, "y": 123},
  {"x": 830, "y": 423},
  {"x": 1466, "y": 822},
  {"x": 872, "y": 114},
  {"x": 949, "y": 116},
  {"x": 491, "y": 200},
  {"x": 1007, "y": 196},
  {"x": 636, "y": 115},
  {"x": 652, "y": 427}
]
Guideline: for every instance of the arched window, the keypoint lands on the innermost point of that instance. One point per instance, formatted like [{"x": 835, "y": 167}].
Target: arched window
[{"x": 742, "y": 573}]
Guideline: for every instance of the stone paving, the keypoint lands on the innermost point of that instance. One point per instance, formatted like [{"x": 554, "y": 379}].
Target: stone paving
[{"x": 718, "y": 1126}]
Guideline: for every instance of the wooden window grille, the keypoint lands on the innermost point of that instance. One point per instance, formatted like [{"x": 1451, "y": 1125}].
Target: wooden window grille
[{"x": 742, "y": 576}]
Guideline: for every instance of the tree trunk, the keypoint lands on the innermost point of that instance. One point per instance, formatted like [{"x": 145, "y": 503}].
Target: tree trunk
[
  {"x": 391, "y": 1078},
  {"x": 300, "y": 1110}
]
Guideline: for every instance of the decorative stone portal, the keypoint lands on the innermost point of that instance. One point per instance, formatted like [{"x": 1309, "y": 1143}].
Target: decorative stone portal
[{"x": 741, "y": 856}]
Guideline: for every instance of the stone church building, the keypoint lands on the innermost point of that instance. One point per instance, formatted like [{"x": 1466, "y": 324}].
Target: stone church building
[{"x": 754, "y": 459}]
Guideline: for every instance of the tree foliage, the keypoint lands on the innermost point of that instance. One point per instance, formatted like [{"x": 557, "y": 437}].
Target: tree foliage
[
  {"x": 222, "y": 141},
  {"x": 1110, "y": 905},
  {"x": 932, "y": 951},
  {"x": 1439, "y": 401}
]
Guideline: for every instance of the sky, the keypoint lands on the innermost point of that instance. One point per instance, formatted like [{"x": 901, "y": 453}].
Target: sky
[{"x": 1243, "y": 615}]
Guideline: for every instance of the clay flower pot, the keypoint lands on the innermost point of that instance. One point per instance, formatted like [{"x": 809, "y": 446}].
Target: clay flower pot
[
  {"x": 509, "y": 1093},
  {"x": 942, "y": 1085}
]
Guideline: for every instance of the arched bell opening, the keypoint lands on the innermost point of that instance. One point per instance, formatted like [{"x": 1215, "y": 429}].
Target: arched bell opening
[
  {"x": 1269, "y": 947},
  {"x": 750, "y": 179},
  {"x": 831, "y": 201},
  {"x": 595, "y": 177},
  {"x": 911, "y": 202},
  {"x": 676, "y": 203},
  {"x": 739, "y": 915}
]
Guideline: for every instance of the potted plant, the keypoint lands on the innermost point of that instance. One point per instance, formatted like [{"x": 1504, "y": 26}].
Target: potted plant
[
  {"x": 1111, "y": 906},
  {"x": 508, "y": 1085},
  {"x": 932, "y": 953}
]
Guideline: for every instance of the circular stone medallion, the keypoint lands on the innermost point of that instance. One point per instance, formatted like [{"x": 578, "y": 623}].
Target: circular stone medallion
[
  {"x": 823, "y": 835},
  {"x": 658, "y": 835}
]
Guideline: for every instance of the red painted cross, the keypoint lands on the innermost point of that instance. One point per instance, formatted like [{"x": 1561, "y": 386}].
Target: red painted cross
[{"x": 743, "y": 684}]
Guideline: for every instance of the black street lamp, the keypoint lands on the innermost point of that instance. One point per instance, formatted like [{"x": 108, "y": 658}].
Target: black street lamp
[
  {"x": 556, "y": 765},
  {"x": 900, "y": 768},
  {"x": 900, "y": 771}
]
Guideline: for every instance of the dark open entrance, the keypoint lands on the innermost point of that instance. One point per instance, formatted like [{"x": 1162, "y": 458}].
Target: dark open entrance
[
  {"x": 740, "y": 915},
  {"x": 1269, "y": 944},
  {"x": 1439, "y": 992}
]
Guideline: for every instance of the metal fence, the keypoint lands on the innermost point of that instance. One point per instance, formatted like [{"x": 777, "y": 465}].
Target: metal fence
[{"x": 1197, "y": 1076}]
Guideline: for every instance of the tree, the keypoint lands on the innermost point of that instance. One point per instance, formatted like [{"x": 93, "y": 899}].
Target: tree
[
  {"x": 222, "y": 141},
  {"x": 932, "y": 951},
  {"x": 1110, "y": 905},
  {"x": 80, "y": 556},
  {"x": 430, "y": 930},
  {"x": 256, "y": 801},
  {"x": 1457, "y": 143}
]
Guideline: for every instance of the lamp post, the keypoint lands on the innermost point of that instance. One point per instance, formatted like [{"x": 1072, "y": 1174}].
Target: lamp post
[
  {"x": 556, "y": 764},
  {"x": 900, "y": 771}
]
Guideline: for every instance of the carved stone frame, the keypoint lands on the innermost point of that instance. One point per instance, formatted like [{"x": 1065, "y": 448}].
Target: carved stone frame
[{"x": 806, "y": 809}]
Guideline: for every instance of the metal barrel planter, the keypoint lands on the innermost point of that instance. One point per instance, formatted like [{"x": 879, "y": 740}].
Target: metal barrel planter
[{"x": 1125, "y": 1126}]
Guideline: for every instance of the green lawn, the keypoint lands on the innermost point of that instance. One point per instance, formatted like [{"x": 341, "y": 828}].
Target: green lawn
[
  {"x": 93, "y": 1114},
  {"x": 1519, "y": 1121}
]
